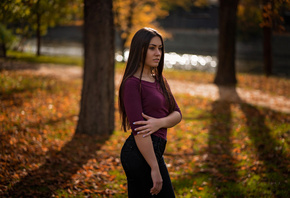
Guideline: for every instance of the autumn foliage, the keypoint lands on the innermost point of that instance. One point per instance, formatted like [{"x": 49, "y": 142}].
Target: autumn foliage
[{"x": 220, "y": 149}]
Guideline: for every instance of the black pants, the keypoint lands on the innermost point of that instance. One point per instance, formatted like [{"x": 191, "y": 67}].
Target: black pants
[{"x": 138, "y": 171}]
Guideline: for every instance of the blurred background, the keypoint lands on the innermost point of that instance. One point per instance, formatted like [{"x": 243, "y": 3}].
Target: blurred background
[
  {"x": 233, "y": 141},
  {"x": 190, "y": 29}
]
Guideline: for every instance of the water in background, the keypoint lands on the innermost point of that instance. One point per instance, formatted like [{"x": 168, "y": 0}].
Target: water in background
[{"x": 174, "y": 60}]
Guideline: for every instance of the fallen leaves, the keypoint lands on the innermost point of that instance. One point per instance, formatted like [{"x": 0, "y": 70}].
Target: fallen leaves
[{"x": 217, "y": 144}]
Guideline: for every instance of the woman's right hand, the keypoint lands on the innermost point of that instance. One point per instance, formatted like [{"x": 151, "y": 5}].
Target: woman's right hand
[{"x": 157, "y": 181}]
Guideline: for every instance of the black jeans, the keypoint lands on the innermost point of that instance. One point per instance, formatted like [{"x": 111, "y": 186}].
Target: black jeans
[{"x": 138, "y": 171}]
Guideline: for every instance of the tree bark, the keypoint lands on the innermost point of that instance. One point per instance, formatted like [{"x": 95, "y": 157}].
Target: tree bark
[
  {"x": 38, "y": 36},
  {"x": 3, "y": 50},
  {"x": 267, "y": 49},
  {"x": 226, "y": 72},
  {"x": 38, "y": 33},
  {"x": 267, "y": 39},
  {"x": 97, "y": 102},
  {"x": 123, "y": 48},
  {"x": 129, "y": 24}
]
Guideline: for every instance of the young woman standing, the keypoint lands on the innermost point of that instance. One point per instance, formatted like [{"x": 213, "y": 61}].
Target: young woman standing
[{"x": 148, "y": 107}]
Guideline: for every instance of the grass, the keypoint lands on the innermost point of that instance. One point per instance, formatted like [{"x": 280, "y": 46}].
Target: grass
[
  {"x": 220, "y": 149},
  {"x": 29, "y": 57},
  {"x": 62, "y": 60}
]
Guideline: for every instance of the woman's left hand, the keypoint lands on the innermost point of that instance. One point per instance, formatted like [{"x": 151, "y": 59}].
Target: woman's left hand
[{"x": 149, "y": 126}]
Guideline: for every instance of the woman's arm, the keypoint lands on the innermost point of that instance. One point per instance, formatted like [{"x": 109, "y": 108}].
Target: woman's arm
[
  {"x": 145, "y": 146},
  {"x": 151, "y": 125},
  {"x": 169, "y": 121},
  {"x": 133, "y": 107}
]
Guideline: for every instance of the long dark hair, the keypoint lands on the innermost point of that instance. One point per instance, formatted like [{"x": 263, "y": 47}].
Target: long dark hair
[{"x": 137, "y": 56}]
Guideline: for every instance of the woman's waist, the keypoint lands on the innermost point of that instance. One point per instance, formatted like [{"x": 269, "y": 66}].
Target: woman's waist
[
  {"x": 161, "y": 133},
  {"x": 159, "y": 143}
]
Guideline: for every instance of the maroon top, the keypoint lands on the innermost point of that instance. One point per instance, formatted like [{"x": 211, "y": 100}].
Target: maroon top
[{"x": 150, "y": 101}]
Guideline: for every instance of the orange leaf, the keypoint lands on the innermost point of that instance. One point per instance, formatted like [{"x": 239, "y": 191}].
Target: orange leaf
[
  {"x": 87, "y": 191},
  {"x": 254, "y": 168}
]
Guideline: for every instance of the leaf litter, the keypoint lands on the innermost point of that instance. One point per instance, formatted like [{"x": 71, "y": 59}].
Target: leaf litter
[{"x": 218, "y": 142}]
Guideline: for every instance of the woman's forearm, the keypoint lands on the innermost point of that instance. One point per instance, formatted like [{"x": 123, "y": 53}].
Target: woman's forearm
[
  {"x": 171, "y": 120},
  {"x": 145, "y": 146},
  {"x": 150, "y": 125}
]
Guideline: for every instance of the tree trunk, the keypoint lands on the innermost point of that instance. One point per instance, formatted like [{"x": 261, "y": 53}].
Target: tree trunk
[
  {"x": 97, "y": 102},
  {"x": 267, "y": 39},
  {"x": 267, "y": 49},
  {"x": 3, "y": 50},
  {"x": 129, "y": 25},
  {"x": 226, "y": 72},
  {"x": 123, "y": 48},
  {"x": 38, "y": 33}
]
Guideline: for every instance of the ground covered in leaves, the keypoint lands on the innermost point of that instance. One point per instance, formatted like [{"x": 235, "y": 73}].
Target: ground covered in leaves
[{"x": 220, "y": 149}]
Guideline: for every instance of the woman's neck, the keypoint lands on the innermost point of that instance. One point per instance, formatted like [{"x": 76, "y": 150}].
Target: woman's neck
[{"x": 146, "y": 74}]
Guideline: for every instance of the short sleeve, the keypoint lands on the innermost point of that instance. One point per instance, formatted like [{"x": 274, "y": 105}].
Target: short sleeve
[
  {"x": 177, "y": 107},
  {"x": 133, "y": 102}
]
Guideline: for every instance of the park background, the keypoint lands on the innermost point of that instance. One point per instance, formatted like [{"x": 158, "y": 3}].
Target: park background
[{"x": 233, "y": 140}]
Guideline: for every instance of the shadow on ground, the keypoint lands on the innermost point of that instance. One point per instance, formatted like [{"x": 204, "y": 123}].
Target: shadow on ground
[
  {"x": 58, "y": 168},
  {"x": 12, "y": 64},
  {"x": 219, "y": 164}
]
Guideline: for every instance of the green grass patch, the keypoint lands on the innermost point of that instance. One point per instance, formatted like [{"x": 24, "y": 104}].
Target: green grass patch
[
  {"x": 59, "y": 60},
  {"x": 32, "y": 58}
]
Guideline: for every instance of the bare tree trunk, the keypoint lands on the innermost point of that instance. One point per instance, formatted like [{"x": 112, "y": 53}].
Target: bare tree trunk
[
  {"x": 38, "y": 24},
  {"x": 38, "y": 36},
  {"x": 267, "y": 49},
  {"x": 3, "y": 50},
  {"x": 129, "y": 24},
  {"x": 97, "y": 103},
  {"x": 267, "y": 38},
  {"x": 226, "y": 72},
  {"x": 123, "y": 48}
]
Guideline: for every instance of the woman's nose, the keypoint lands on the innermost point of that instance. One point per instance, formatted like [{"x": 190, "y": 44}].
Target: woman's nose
[{"x": 157, "y": 52}]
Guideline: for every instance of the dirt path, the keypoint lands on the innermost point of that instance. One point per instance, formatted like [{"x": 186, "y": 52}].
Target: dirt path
[{"x": 254, "y": 97}]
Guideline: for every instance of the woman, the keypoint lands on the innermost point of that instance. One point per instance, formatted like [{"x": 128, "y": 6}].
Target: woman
[{"x": 148, "y": 107}]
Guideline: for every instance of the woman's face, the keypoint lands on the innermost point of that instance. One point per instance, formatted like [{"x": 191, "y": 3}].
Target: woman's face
[{"x": 154, "y": 52}]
